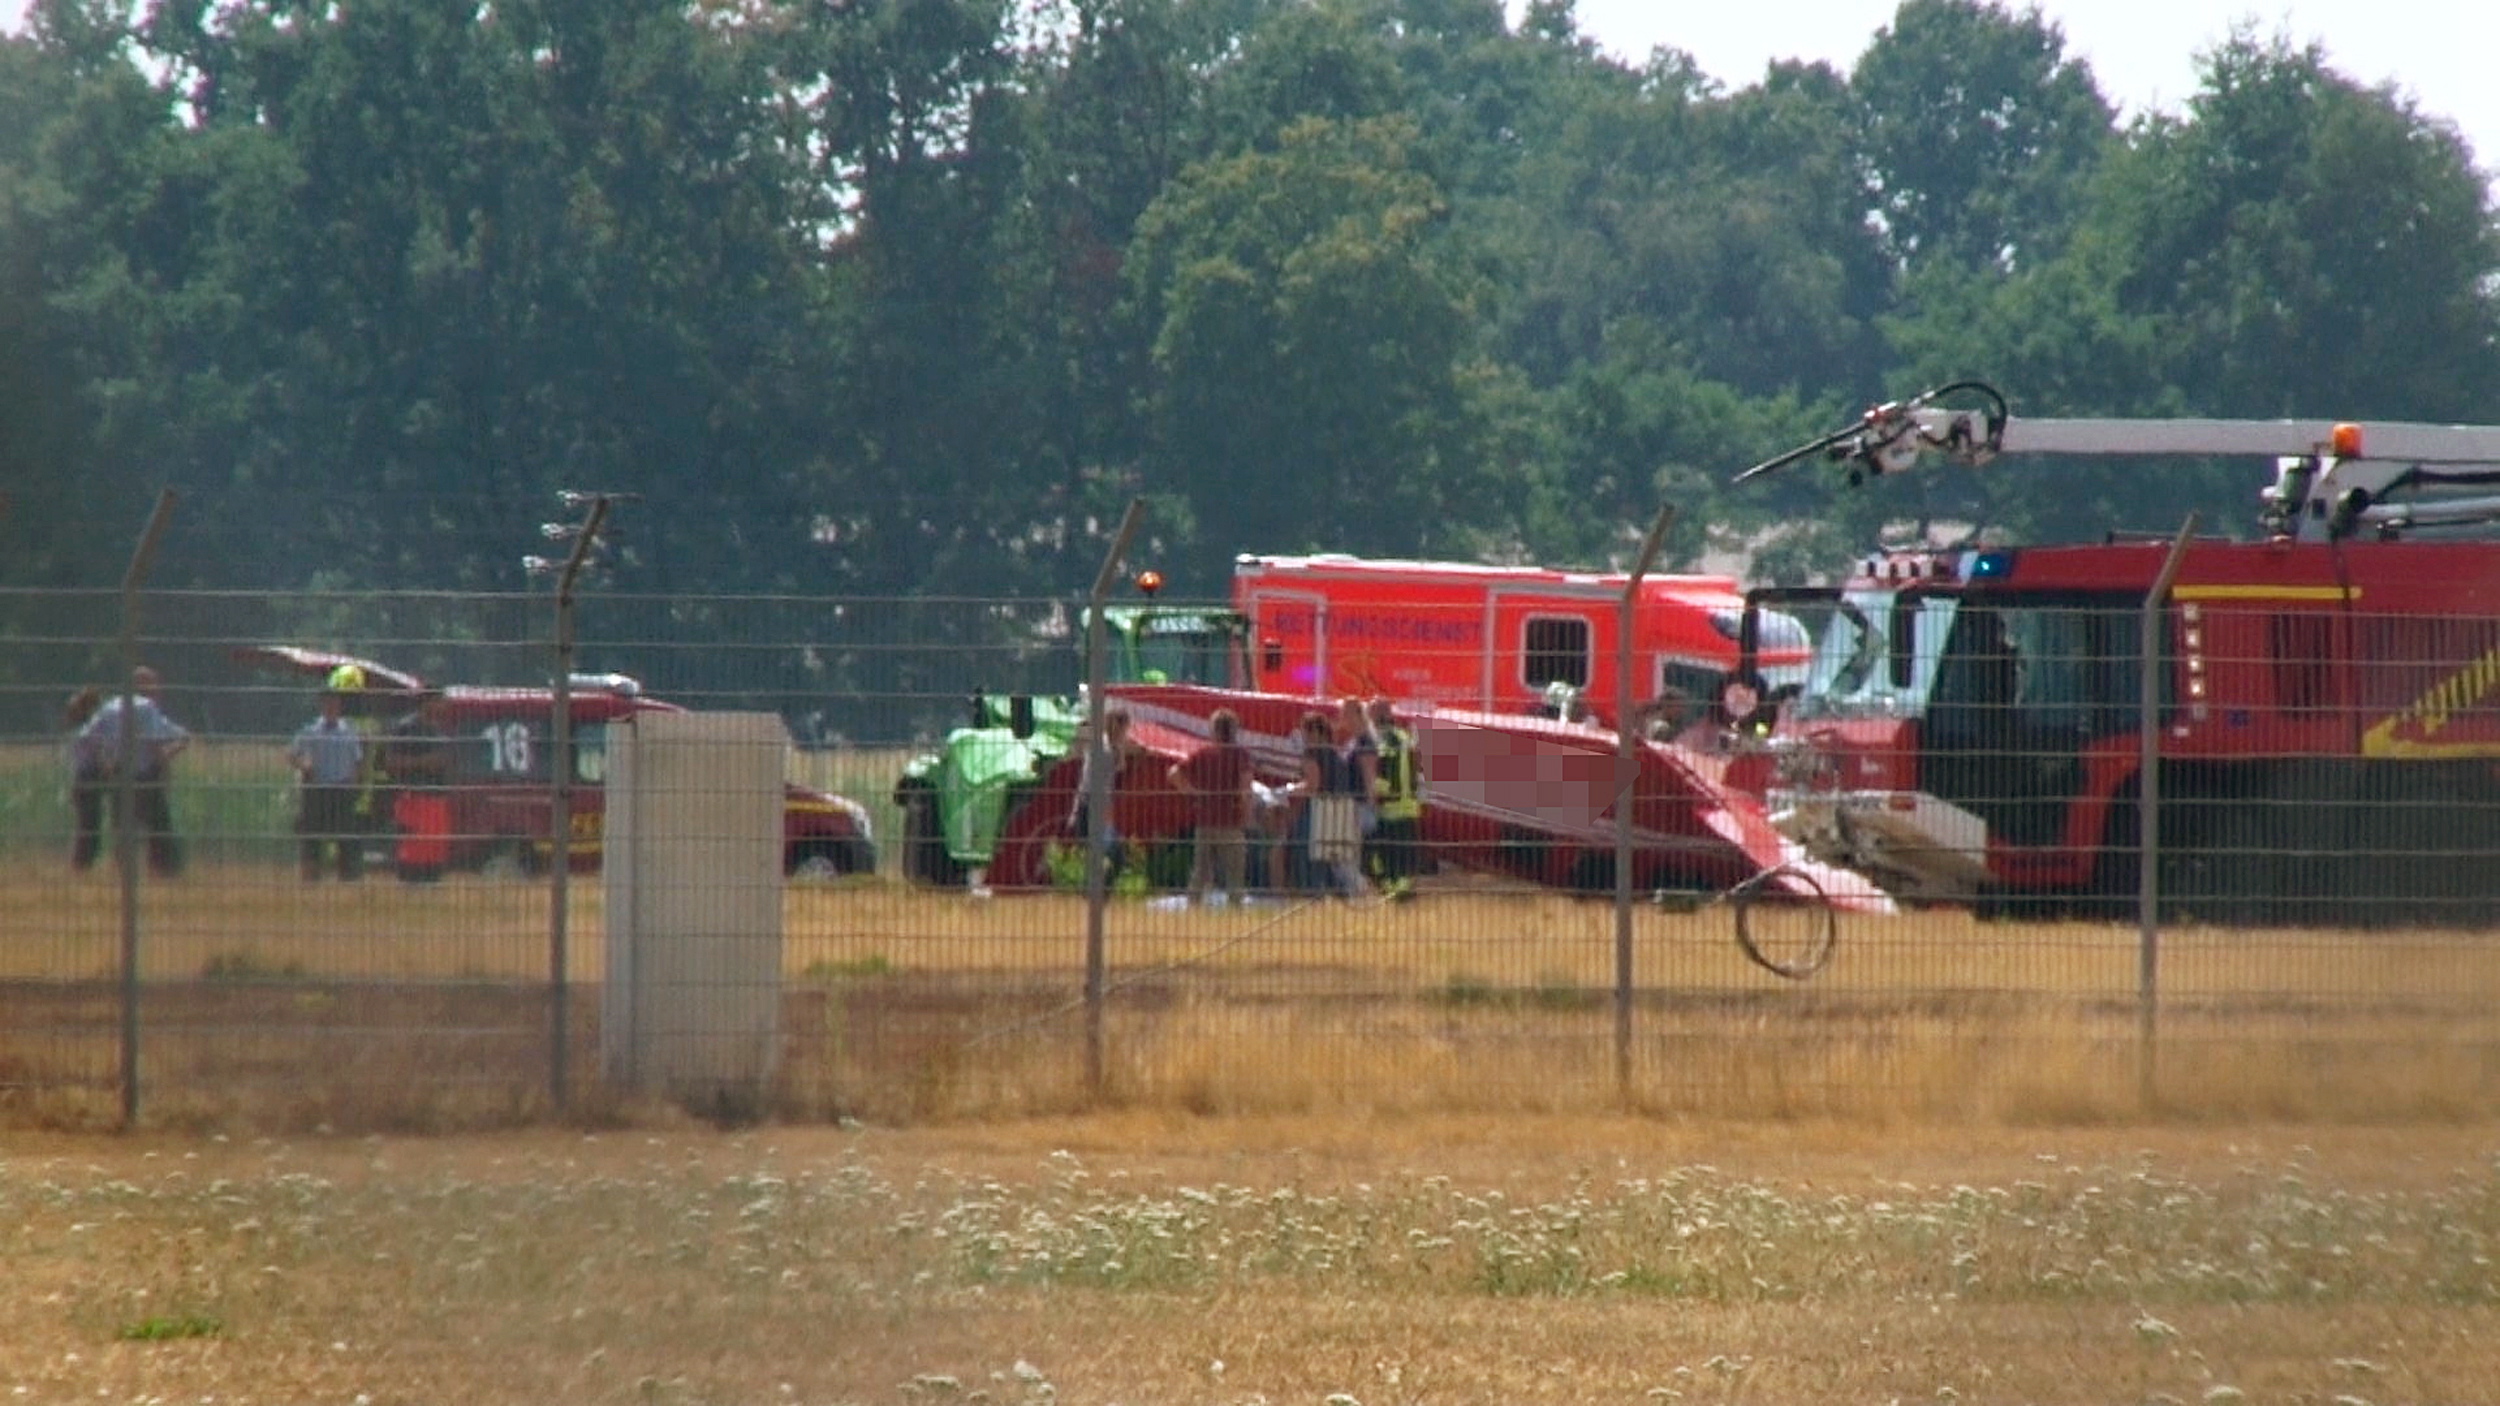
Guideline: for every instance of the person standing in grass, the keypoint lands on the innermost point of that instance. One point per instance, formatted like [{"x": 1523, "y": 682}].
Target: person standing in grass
[
  {"x": 1117, "y": 752},
  {"x": 1362, "y": 754},
  {"x": 1332, "y": 806},
  {"x": 328, "y": 755},
  {"x": 1216, "y": 779},
  {"x": 86, "y": 779},
  {"x": 153, "y": 743},
  {"x": 1397, "y": 794}
]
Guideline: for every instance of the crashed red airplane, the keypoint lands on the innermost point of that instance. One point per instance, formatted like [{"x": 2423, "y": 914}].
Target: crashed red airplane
[{"x": 1528, "y": 797}]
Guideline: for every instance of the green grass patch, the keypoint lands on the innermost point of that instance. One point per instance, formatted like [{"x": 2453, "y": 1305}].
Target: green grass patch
[
  {"x": 230, "y": 801},
  {"x": 247, "y": 966},
  {"x": 164, "y": 1328},
  {"x": 1552, "y": 992},
  {"x": 852, "y": 969}
]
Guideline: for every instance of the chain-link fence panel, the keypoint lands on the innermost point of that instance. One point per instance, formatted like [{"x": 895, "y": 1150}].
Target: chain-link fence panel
[{"x": 357, "y": 926}]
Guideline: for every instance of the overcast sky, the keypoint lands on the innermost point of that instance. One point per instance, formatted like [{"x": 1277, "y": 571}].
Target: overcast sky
[{"x": 2143, "y": 51}]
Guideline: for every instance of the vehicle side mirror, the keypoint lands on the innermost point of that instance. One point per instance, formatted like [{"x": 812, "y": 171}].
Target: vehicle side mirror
[{"x": 2349, "y": 506}]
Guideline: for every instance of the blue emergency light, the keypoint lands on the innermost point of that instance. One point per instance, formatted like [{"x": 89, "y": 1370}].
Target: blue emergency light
[{"x": 1986, "y": 566}]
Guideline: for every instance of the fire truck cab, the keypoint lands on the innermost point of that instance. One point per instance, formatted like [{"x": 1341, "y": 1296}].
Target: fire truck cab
[
  {"x": 1503, "y": 639},
  {"x": 2325, "y": 699}
]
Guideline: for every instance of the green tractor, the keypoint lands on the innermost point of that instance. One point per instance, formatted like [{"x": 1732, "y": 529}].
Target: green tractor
[{"x": 955, "y": 800}]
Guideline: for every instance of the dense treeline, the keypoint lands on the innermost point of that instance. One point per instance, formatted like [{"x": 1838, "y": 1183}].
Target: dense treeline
[{"x": 907, "y": 296}]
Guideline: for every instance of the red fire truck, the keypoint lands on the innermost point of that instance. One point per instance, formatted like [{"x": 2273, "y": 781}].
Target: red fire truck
[
  {"x": 2326, "y": 698},
  {"x": 501, "y": 801},
  {"x": 1497, "y": 639}
]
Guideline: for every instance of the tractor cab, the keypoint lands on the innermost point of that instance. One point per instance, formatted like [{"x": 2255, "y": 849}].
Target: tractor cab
[{"x": 1176, "y": 644}]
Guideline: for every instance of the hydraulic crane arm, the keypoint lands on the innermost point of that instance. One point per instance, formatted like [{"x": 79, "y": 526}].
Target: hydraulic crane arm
[
  {"x": 2331, "y": 476},
  {"x": 2381, "y": 441}
]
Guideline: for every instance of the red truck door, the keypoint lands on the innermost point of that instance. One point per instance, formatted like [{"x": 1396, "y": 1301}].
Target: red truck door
[{"x": 1288, "y": 640}]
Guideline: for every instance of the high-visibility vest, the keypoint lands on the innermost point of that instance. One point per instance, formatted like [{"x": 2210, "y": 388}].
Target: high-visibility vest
[{"x": 1397, "y": 790}]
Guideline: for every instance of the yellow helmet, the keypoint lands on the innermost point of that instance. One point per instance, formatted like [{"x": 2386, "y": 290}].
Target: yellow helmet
[{"x": 347, "y": 678}]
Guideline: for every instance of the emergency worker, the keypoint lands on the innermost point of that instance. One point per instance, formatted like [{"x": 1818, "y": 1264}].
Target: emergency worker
[
  {"x": 370, "y": 809},
  {"x": 1392, "y": 852}
]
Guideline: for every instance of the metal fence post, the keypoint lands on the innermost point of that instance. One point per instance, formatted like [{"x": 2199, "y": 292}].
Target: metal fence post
[
  {"x": 126, "y": 799},
  {"x": 560, "y": 820},
  {"x": 1099, "y": 765},
  {"x": 1627, "y": 775},
  {"x": 2148, "y": 812}
]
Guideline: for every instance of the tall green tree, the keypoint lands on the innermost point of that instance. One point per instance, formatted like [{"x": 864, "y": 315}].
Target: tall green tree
[
  {"x": 1325, "y": 60},
  {"x": 2292, "y": 245},
  {"x": 53, "y": 531},
  {"x": 1311, "y": 337},
  {"x": 1976, "y": 130},
  {"x": 2304, "y": 242},
  {"x": 925, "y": 475}
]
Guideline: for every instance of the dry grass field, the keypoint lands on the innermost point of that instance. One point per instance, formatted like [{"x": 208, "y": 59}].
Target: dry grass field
[
  {"x": 1346, "y": 1156},
  {"x": 1342, "y": 1156},
  {"x": 1151, "y": 1257},
  {"x": 271, "y": 1005}
]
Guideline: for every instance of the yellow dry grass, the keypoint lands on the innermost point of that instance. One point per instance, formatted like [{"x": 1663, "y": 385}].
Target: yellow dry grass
[
  {"x": 912, "y": 1005},
  {"x": 54, "y": 925},
  {"x": 1376, "y": 1155},
  {"x": 1147, "y": 1257}
]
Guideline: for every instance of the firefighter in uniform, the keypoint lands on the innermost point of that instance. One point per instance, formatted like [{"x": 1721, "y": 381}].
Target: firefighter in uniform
[
  {"x": 370, "y": 819},
  {"x": 1397, "y": 794}
]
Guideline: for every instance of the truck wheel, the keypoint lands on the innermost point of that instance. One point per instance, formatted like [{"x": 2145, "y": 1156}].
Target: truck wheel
[
  {"x": 511, "y": 858},
  {"x": 856, "y": 855},
  {"x": 924, "y": 843},
  {"x": 819, "y": 860}
]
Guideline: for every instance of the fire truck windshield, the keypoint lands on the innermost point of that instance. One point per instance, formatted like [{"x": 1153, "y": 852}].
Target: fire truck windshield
[
  {"x": 1878, "y": 655},
  {"x": 2059, "y": 665},
  {"x": 2062, "y": 669}
]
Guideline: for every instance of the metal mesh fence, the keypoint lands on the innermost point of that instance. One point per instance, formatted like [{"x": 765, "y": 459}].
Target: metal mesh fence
[{"x": 2322, "y": 851}]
